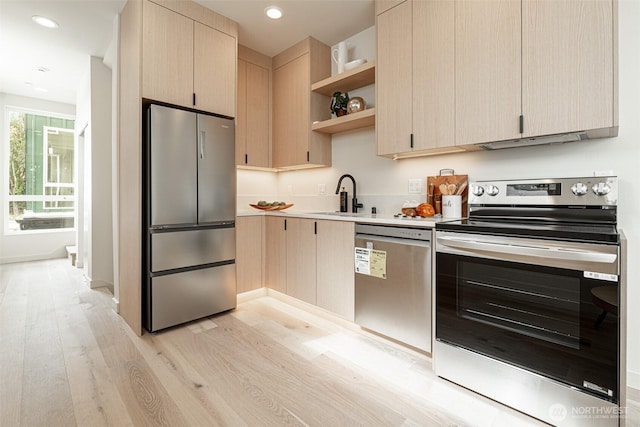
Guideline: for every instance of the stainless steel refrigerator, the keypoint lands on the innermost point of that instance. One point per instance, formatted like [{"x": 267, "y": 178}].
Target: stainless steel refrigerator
[{"x": 189, "y": 210}]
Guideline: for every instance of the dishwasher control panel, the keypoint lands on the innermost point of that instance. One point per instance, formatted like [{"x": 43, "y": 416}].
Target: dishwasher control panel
[{"x": 394, "y": 231}]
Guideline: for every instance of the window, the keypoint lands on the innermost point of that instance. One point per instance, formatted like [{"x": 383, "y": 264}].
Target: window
[{"x": 41, "y": 169}]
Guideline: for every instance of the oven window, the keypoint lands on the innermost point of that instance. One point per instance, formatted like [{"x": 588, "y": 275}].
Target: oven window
[
  {"x": 546, "y": 320},
  {"x": 539, "y": 305}
]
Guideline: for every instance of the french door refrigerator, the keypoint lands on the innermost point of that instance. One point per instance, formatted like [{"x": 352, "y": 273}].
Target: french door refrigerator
[{"x": 189, "y": 210}]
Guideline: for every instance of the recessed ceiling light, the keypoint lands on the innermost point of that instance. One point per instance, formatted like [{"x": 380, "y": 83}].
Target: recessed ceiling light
[
  {"x": 273, "y": 12},
  {"x": 40, "y": 89},
  {"x": 43, "y": 69},
  {"x": 44, "y": 21}
]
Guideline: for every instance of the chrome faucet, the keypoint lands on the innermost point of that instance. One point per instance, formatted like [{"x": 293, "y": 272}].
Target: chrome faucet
[{"x": 354, "y": 202}]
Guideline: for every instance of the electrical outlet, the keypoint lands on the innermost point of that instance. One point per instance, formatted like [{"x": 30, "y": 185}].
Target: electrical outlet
[
  {"x": 322, "y": 189},
  {"x": 415, "y": 186}
]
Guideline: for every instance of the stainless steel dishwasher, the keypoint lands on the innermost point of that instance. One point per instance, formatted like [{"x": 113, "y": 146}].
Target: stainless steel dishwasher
[{"x": 393, "y": 282}]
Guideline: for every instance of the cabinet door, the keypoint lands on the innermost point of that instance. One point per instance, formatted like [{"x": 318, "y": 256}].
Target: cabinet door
[
  {"x": 241, "y": 114},
  {"x": 214, "y": 71},
  {"x": 291, "y": 92},
  {"x": 394, "y": 80},
  {"x": 301, "y": 259},
  {"x": 335, "y": 278},
  {"x": 249, "y": 253},
  {"x": 488, "y": 71},
  {"x": 257, "y": 101},
  {"x": 275, "y": 254},
  {"x": 567, "y": 69},
  {"x": 167, "y": 56},
  {"x": 433, "y": 74}
]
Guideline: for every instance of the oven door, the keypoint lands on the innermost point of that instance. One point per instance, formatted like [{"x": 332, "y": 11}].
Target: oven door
[{"x": 546, "y": 307}]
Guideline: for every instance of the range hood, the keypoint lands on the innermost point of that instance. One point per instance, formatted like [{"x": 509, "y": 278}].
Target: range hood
[{"x": 550, "y": 139}]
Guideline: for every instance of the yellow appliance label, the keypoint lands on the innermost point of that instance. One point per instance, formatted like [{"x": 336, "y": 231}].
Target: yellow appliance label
[{"x": 371, "y": 262}]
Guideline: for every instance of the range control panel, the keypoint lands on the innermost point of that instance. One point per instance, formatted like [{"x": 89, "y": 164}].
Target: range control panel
[{"x": 586, "y": 191}]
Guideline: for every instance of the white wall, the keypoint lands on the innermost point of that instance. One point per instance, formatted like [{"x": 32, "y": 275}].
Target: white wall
[
  {"x": 95, "y": 240},
  {"x": 28, "y": 245},
  {"x": 384, "y": 182}
]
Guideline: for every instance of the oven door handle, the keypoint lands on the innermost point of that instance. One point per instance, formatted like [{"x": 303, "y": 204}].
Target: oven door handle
[{"x": 528, "y": 250}]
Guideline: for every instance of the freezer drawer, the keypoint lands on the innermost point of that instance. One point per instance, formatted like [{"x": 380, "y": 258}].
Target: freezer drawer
[
  {"x": 181, "y": 297},
  {"x": 177, "y": 249},
  {"x": 398, "y": 306}
]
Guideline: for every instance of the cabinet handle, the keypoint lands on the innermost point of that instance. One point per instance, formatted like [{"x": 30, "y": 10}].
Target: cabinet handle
[
  {"x": 411, "y": 141},
  {"x": 315, "y": 227},
  {"x": 285, "y": 225},
  {"x": 307, "y": 157},
  {"x": 521, "y": 124},
  {"x": 194, "y": 98},
  {"x": 201, "y": 143},
  {"x": 246, "y": 159}
]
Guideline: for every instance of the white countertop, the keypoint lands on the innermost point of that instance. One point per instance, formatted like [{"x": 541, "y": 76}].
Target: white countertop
[{"x": 347, "y": 216}]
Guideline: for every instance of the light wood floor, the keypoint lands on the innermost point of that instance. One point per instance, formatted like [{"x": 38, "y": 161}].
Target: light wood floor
[{"x": 67, "y": 359}]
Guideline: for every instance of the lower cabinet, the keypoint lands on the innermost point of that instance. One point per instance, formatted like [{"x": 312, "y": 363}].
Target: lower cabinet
[
  {"x": 275, "y": 254},
  {"x": 334, "y": 264},
  {"x": 249, "y": 253},
  {"x": 311, "y": 260},
  {"x": 301, "y": 259}
]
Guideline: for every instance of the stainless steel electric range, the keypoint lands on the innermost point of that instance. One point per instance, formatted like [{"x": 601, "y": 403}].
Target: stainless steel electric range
[{"x": 528, "y": 298}]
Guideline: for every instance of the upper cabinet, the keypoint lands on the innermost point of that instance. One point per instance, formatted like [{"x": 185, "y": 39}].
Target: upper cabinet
[
  {"x": 186, "y": 62},
  {"x": 487, "y": 71},
  {"x": 253, "y": 129},
  {"x": 498, "y": 70},
  {"x": 569, "y": 70},
  {"x": 295, "y": 107},
  {"x": 414, "y": 77}
]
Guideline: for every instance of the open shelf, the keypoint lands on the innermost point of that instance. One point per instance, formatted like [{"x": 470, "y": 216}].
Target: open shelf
[
  {"x": 352, "y": 121},
  {"x": 362, "y": 75}
]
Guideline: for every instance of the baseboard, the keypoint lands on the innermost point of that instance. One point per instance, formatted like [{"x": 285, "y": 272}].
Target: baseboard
[
  {"x": 38, "y": 257},
  {"x": 249, "y": 295},
  {"x": 633, "y": 382},
  {"x": 115, "y": 304}
]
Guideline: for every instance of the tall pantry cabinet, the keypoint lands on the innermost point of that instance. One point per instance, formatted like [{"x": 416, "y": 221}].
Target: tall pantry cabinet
[{"x": 174, "y": 52}]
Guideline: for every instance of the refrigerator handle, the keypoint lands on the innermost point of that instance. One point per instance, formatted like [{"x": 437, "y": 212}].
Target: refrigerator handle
[{"x": 201, "y": 141}]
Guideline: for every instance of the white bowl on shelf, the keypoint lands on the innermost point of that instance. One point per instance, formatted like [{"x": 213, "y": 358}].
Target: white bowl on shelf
[{"x": 353, "y": 64}]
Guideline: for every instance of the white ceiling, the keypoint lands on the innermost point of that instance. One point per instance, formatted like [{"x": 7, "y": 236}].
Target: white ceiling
[{"x": 86, "y": 28}]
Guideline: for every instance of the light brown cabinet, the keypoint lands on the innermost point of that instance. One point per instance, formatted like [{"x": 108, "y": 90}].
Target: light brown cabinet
[
  {"x": 301, "y": 259},
  {"x": 187, "y": 63},
  {"x": 569, "y": 77},
  {"x": 517, "y": 73},
  {"x": 249, "y": 253},
  {"x": 295, "y": 107},
  {"x": 253, "y": 130},
  {"x": 414, "y": 77},
  {"x": 275, "y": 254},
  {"x": 335, "y": 278},
  {"x": 312, "y": 260}
]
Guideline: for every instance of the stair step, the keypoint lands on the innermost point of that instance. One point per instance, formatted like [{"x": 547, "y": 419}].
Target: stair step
[{"x": 71, "y": 253}]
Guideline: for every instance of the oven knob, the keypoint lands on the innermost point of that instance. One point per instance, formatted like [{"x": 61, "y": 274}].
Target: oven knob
[
  {"x": 492, "y": 190},
  {"x": 579, "y": 189},
  {"x": 477, "y": 190},
  {"x": 601, "y": 189}
]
